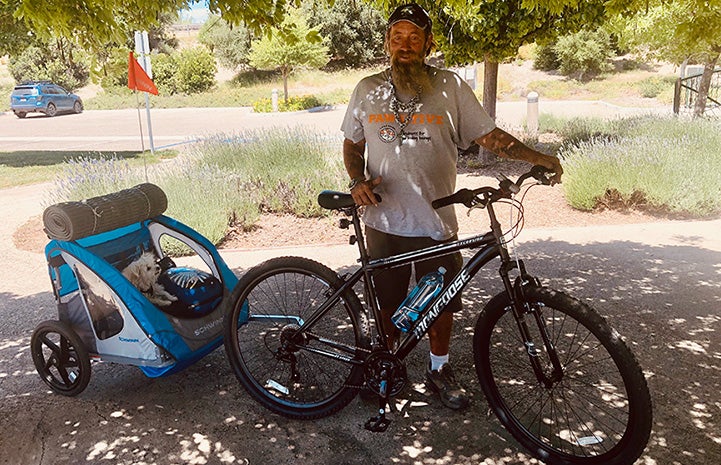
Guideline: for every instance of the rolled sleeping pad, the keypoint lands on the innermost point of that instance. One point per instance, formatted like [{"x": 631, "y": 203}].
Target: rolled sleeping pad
[{"x": 68, "y": 221}]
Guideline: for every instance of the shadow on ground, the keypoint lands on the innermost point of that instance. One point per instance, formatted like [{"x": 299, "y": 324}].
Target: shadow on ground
[{"x": 664, "y": 300}]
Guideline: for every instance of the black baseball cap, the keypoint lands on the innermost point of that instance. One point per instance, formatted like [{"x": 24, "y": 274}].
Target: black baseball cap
[{"x": 412, "y": 13}]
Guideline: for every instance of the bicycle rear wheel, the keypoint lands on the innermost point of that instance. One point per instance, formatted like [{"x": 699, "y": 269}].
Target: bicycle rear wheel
[
  {"x": 304, "y": 375},
  {"x": 598, "y": 411}
]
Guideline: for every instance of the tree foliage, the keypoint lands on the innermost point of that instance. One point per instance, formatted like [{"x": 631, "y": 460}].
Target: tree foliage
[
  {"x": 678, "y": 31},
  {"x": 50, "y": 61},
  {"x": 584, "y": 54},
  {"x": 675, "y": 31},
  {"x": 293, "y": 46},
  {"x": 354, "y": 31},
  {"x": 230, "y": 44},
  {"x": 13, "y": 32},
  {"x": 93, "y": 23}
]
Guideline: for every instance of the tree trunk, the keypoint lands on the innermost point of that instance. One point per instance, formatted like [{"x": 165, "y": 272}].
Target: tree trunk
[
  {"x": 490, "y": 89},
  {"x": 703, "y": 87},
  {"x": 285, "y": 72}
]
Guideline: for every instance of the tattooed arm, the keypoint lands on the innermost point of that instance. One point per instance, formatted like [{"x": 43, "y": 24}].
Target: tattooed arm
[{"x": 505, "y": 145}]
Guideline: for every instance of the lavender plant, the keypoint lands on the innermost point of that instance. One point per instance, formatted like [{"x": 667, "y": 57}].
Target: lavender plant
[{"x": 670, "y": 163}]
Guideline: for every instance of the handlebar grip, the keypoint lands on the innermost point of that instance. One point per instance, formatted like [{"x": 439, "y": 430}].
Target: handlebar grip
[
  {"x": 540, "y": 173},
  {"x": 462, "y": 196}
]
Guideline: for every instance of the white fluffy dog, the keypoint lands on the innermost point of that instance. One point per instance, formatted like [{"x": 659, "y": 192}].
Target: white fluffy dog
[{"x": 143, "y": 273}]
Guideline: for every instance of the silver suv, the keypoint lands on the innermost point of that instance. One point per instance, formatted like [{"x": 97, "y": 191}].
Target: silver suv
[{"x": 44, "y": 97}]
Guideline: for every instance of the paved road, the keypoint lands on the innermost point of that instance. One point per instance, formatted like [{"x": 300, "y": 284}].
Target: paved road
[{"x": 119, "y": 130}]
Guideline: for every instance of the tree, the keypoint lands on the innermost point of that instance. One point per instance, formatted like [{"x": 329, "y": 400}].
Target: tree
[
  {"x": 55, "y": 61},
  {"x": 354, "y": 31},
  {"x": 94, "y": 23},
  {"x": 14, "y": 34},
  {"x": 231, "y": 45},
  {"x": 286, "y": 49},
  {"x": 679, "y": 31},
  {"x": 493, "y": 31}
]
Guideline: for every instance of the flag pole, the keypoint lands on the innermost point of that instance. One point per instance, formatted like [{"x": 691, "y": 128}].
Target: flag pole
[
  {"x": 142, "y": 142},
  {"x": 150, "y": 126}
]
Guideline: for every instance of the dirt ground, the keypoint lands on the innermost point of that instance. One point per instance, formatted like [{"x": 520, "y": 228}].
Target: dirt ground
[{"x": 662, "y": 296}]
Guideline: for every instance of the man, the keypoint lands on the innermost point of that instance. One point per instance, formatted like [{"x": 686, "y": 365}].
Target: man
[{"x": 412, "y": 118}]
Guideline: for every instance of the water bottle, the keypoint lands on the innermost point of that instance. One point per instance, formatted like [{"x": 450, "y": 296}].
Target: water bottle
[{"x": 428, "y": 287}]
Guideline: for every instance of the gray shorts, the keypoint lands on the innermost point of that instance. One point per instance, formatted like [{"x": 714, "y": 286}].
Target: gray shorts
[{"x": 392, "y": 285}]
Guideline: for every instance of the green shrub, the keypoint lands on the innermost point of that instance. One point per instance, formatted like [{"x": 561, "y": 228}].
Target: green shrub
[
  {"x": 165, "y": 74},
  {"x": 195, "y": 70},
  {"x": 585, "y": 54},
  {"x": 114, "y": 70},
  {"x": 653, "y": 86},
  {"x": 293, "y": 104},
  {"x": 546, "y": 58}
]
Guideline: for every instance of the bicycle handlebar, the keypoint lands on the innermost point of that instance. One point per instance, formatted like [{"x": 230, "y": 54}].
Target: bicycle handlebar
[{"x": 505, "y": 189}]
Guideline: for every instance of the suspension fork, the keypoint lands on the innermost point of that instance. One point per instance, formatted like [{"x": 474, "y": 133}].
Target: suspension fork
[{"x": 521, "y": 306}]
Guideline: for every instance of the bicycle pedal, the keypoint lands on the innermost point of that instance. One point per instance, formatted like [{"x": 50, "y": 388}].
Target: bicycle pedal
[{"x": 377, "y": 424}]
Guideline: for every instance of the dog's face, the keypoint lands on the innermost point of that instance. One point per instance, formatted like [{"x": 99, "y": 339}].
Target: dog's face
[{"x": 143, "y": 272}]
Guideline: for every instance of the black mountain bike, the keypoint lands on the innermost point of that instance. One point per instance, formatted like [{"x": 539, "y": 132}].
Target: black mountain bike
[{"x": 556, "y": 375}]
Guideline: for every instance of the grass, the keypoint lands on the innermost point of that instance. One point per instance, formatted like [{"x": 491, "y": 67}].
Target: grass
[
  {"x": 609, "y": 87},
  {"x": 335, "y": 88},
  {"x": 28, "y": 167},
  {"x": 242, "y": 91},
  {"x": 226, "y": 182}
]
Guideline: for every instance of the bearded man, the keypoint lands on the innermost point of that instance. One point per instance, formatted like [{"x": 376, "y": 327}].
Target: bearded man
[{"x": 403, "y": 129}]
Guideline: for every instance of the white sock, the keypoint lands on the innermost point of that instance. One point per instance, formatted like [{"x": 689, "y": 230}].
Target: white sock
[{"x": 437, "y": 361}]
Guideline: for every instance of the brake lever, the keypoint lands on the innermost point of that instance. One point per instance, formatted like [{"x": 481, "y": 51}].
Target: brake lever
[{"x": 507, "y": 185}]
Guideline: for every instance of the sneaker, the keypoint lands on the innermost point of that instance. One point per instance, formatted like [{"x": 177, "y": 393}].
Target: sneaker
[{"x": 444, "y": 383}]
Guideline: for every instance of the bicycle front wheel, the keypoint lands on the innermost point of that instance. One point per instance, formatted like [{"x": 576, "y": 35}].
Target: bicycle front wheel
[
  {"x": 305, "y": 374},
  {"x": 596, "y": 410}
]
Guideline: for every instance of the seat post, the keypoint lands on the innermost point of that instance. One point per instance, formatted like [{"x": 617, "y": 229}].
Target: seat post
[{"x": 359, "y": 238}]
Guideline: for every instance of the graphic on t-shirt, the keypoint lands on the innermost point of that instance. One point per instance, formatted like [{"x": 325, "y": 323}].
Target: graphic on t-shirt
[{"x": 387, "y": 133}]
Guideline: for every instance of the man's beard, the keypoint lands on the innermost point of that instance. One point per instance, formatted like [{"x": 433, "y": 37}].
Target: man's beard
[{"x": 410, "y": 77}]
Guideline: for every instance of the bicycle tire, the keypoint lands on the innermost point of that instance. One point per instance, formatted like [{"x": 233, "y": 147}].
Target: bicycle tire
[
  {"x": 267, "y": 305},
  {"x": 598, "y": 413}
]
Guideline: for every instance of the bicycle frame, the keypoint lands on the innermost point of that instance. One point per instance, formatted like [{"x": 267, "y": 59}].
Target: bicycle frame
[
  {"x": 312, "y": 347},
  {"x": 492, "y": 245}
]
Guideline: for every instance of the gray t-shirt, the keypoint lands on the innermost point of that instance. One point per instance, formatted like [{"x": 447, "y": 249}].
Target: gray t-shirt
[{"x": 423, "y": 167}]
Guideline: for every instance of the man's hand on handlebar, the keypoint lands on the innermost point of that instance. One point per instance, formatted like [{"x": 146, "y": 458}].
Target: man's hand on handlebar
[
  {"x": 553, "y": 164},
  {"x": 363, "y": 194}
]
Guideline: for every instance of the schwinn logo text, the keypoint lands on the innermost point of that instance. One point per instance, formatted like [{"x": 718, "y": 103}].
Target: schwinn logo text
[
  {"x": 212, "y": 325},
  {"x": 450, "y": 292}
]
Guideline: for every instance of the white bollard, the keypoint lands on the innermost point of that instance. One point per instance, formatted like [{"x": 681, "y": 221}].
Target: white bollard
[
  {"x": 532, "y": 114},
  {"x": 274, "y": 100}
]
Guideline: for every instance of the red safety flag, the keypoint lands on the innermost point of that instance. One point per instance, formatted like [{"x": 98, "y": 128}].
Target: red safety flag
[{"x": 138, "y": 78}]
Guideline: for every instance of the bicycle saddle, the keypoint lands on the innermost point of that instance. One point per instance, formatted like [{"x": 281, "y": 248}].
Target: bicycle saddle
[{"x": 334, "y": 200}]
